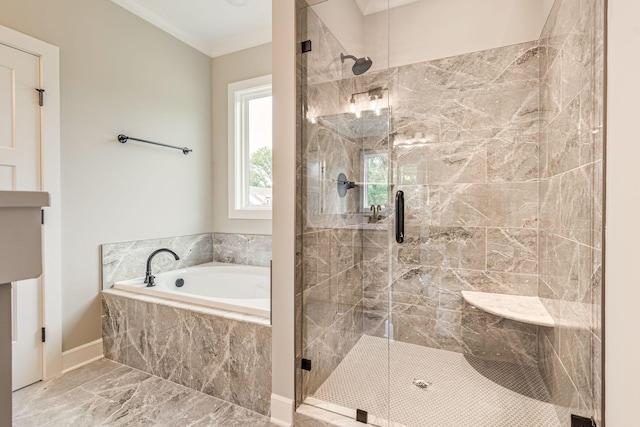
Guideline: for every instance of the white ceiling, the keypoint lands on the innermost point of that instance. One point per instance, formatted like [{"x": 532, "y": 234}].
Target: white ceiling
[
  {"x": 367, "y": 7},
  {"x": 214, "y": 27}
]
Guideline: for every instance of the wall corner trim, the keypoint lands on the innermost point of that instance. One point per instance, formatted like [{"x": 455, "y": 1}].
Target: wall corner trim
[
  {"x": 282, "y": 409},
  {"x": 82, "y": 355}
]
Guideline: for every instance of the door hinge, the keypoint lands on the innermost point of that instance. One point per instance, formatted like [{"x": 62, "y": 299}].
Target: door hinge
[
  {"x": 362, "y": 416},
  {"x": 306, "y": 46},
  {"x": 44, "y": 335},
  {"x": 578, "y": 421},
  {"x": 306, "y": 364},
  {"x": 42, "y": 216},
  {"x": 40, "y": 97}
]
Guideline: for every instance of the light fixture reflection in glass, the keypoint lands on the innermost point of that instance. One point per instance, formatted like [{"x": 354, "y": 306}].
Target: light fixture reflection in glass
[
  {"x": 237, "y": 3},
  {"x": 312, "y": 115},
  {"x": 399, "y": 139},
  {"x": 375, "y": 97},
  {"x": 358, "y": 114},
  {"x": 352, "y": 104},
  {"x": 418, "y": 140}
]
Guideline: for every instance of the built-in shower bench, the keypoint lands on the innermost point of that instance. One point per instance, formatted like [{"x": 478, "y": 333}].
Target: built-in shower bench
[{"x": 529, "y": 309}]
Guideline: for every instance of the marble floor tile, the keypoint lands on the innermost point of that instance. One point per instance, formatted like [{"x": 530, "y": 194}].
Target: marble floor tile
[{"x": 106, "y": 393}]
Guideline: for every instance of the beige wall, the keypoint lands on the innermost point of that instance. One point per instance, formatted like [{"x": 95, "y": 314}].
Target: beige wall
[
  {"x": 284, "y": 209},
  {"x": 237, "y": 66},
  {"x": 622, "y": 277},
  {"x": 346, "y": 22},
  {"x": 120, "y": 75}
]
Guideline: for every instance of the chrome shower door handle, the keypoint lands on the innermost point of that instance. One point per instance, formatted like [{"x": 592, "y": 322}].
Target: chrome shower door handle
[{"x": 399, "y": 216}]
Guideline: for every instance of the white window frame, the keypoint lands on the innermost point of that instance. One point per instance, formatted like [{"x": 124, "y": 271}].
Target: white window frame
[
  {"x": 365, "y": 175},
  {"x": 238, "y": 174}
]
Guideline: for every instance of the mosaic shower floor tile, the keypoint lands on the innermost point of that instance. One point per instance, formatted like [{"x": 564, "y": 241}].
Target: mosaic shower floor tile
[{"x": 437, "y": 388}]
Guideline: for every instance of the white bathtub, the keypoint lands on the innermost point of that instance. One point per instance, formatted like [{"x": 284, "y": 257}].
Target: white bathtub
[{"x": 232, "y": 287}]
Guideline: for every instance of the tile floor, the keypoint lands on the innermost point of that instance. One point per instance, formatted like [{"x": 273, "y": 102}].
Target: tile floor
[{"x": 106, "y": 393}]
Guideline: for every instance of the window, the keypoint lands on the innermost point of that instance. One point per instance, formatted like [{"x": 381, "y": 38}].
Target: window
[
  {"x": 250, "y": 107},
  {"x": 376, "y": 172}
]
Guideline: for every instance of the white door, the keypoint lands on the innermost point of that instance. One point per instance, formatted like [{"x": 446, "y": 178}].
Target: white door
[{"x": 20, "y": 169}]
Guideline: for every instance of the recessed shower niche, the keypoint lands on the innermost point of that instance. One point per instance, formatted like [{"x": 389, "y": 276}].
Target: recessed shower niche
[{"x": 494, "y": 140}]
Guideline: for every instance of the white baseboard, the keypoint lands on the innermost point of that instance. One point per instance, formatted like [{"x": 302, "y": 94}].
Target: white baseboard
[
  {"x": 82, "y": 355},
  {"x": 282, "y": 409}
]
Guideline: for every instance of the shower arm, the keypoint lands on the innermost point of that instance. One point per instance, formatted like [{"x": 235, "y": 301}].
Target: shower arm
[{"x": 343, "y": 57}]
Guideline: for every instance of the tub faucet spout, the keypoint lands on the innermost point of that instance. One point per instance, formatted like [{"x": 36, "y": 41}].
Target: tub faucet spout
[{"x": 149, "y": 278}]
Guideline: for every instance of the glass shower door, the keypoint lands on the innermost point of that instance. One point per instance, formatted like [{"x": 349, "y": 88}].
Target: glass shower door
[
  {"x": 444, "y": 186},
  {"x": 502, "y": 215},
  {"x": 344, "y": 206}
]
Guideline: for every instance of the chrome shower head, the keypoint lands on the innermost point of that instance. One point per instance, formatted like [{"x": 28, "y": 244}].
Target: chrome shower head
[{"x": 361, "y": 64}]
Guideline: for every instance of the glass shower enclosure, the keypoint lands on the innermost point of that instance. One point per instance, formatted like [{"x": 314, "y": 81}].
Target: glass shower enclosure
[{"x": 450, "y": 211}]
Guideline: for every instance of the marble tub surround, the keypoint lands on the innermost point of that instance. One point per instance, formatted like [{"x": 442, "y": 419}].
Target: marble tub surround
[
  {"x": 570, "y": 197},
  {"x": 225, "y": 355},
  {"x": 111, "y": 394},
  {"x": 126, "y": 260},
  {"x": 249, "y": 249}
]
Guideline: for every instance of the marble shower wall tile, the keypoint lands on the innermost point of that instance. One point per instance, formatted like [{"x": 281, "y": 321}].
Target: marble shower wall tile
[
  {"x": 330, "y": 311},
  {"x": 331, "y": 243},
  {"x": 428, "y": 309},
  {"x": 453, "y": 247},
  {"x": 127, "y": 260},
  {"x": 235, "y": 248},
  {"x": 562, "y": 390},
  {"x": 488, "y": 205},
  {"x": 326, "y": 154},
  {"x": 437, "y": 328},
  {"x": 513, "y": 160},
  {"x": 512, "y": 250},
  {"x": 496, "y": 338},
  {"x": 570, "y": 235},
  {"x": 488, "y": 93},
  {"x": 471, "y": 202},
  {"x": 224, "y": 358},
  {"x": 330, "y": 346}
]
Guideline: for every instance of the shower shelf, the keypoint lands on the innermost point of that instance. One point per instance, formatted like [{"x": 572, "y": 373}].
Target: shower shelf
[{"x": 514, "y": 307}]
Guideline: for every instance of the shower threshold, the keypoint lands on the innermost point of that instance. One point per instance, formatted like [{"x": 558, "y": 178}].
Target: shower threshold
[{"x": 401, "y": 384}]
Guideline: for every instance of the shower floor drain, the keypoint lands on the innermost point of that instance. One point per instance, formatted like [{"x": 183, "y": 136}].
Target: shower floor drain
[{"x": 421, "y": 384}]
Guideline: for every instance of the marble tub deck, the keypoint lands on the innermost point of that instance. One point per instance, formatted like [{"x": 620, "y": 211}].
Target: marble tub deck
[{"x": 106, "y": 393}]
